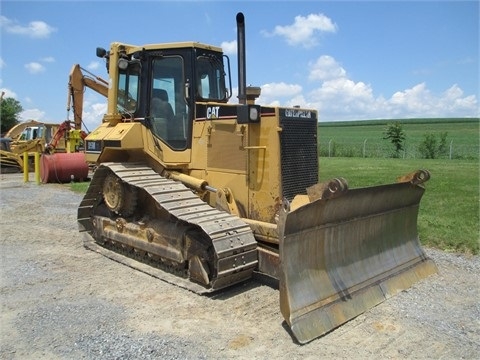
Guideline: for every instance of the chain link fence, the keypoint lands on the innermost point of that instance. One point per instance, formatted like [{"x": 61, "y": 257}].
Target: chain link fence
[{"x": 373, "y": 149}]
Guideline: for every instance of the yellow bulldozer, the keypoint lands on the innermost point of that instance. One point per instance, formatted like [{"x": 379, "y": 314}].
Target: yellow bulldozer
[
  {"x": 205, "y": 193},
  {"x": 32, "y": 136},
  {"x": 9, "y": 161}
]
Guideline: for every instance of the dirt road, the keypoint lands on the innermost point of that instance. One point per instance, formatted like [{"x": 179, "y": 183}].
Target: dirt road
[{"x": 61, "y": 301}]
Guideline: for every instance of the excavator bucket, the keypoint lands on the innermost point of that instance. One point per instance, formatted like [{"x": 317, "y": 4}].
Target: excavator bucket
[{"x": 348, "y": 250}]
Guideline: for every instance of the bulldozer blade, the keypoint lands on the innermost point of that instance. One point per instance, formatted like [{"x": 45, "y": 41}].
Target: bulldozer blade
[{"x": 343, "y": 255}]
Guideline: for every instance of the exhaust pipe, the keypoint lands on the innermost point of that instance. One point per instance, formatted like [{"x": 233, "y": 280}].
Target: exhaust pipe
[{"x": 242, "y": 81}]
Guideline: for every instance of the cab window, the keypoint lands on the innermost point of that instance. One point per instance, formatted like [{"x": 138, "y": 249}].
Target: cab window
[
  {"x": 210, "y": 79},
  {"x": 128, "y": 87},
  {"x": 168, "y": 106}
]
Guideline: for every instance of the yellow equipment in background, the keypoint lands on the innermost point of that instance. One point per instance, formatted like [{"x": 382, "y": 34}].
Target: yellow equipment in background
[
  {"x": 213, "y": 192},
  {"x": 32, "y": 137},
  {"x": 10, "y": 162}
]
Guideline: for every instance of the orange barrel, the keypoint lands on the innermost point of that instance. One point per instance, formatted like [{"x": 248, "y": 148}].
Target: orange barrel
[{"x": 63, "y": 167}]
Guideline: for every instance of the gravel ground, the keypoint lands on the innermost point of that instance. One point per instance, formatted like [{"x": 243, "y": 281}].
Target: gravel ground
[{"x": 61, "y": 301}]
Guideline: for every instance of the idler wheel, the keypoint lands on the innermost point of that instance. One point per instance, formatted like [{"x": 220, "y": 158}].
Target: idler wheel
[{"x": 119, "y": 196}]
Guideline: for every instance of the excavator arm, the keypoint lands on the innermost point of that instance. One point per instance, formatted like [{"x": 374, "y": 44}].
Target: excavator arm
[{"x": 79, "y": 79}]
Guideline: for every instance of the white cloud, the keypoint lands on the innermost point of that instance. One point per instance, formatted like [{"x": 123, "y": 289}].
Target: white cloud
[
  {"x": 326, "y": 68},
  {"x": 32, "y": 114},
  {"x": 93, "y": 115},
  {"x": 276, "y": 94},
  {"x": 48, "y": 59},
  {"x": 93, "y": 111},
  {"x": 419, "y": 101},
  {"x": 339, "y": 98},
  {"x": 418, "y": 98},
  {"x": 34, "y": 29},
  {"x": 229, "y": 47},
  {"x": 35, "y": 68},
  {"x": 2, "y": 63},
  {"x": 281, "y": 89},
  {"x": 305, "y": 30},
  {"x": 94, "y": 65},
  {"x": 8, "y": 93}
]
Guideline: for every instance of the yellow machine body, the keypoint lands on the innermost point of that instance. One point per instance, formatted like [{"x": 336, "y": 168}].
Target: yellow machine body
[
  {"x": 213, "y": 192},
  {"x": 9, "y": 161}
]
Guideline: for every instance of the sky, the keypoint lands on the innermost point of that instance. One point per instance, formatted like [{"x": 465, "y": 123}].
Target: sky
[{"x": 350, "y": 60}]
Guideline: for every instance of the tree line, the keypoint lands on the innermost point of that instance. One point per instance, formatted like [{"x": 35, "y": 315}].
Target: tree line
[{"x": 10, "y": 110}]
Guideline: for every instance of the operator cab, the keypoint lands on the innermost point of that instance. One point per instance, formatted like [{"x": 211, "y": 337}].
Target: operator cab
[
  {"x": 31, "y": 133},
  {"x": 159, "y": 86}
]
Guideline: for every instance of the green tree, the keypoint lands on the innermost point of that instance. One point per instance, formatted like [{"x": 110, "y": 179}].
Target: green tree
[
  {"x": 9, "y": 112},
  {"x": 395, "y": 133}
]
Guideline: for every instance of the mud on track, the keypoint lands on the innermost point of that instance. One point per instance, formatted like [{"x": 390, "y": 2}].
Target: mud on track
[{"x": 62, "y": 301}]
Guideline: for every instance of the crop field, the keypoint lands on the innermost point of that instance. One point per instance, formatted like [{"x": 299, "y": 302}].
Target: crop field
[
  {"x": 449, "y": 212},
  {"x": 366, "y": 138}
]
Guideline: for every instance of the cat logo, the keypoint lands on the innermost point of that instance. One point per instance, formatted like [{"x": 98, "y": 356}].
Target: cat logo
[{"x": 212, "y": 112}]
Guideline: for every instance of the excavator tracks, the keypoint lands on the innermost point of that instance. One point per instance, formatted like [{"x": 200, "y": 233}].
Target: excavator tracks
[{"x": 231, "y": 240}]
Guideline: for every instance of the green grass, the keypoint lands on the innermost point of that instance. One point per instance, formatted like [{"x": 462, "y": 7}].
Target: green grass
[
  {"x": 80, "y": 187},
  {"x": 449, "y": 210}
]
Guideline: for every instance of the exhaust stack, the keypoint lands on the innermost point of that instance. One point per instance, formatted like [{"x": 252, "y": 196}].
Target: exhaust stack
[{"x": 242, "y": 81}]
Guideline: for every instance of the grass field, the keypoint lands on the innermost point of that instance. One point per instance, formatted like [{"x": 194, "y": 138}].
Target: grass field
[{"x": 365, "y": 138}]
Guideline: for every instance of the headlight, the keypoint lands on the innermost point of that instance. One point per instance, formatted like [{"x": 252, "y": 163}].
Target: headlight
[
  {"x": 122, "y": 64},
  {"x": 248, "y": 114},
  {"x": 254, "y": 115}
]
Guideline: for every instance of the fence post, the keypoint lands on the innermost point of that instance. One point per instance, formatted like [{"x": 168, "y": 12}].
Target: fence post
[
  {"x": 364, "y": 145},
  {"x": 37, "y": 167},
  {"x": 329, "y": 143},
  {"x": 25, "y": 167},
  {"x": 451, "y": 149}
]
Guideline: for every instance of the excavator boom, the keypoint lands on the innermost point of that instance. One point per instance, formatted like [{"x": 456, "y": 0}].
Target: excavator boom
[{"x": 80, "y": 78}]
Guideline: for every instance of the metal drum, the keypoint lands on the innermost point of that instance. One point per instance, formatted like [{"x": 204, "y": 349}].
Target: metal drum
[{"x": 63, "y": 167}]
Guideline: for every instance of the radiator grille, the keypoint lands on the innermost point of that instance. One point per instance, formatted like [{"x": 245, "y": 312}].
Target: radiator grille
[{"x": 299, "y": 157}]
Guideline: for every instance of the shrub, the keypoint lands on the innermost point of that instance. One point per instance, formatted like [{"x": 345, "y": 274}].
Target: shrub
[{"x": 431, "y": 148}]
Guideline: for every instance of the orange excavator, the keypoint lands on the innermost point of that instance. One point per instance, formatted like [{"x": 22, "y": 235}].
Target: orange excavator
[{"x": 73, "y": 138}]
